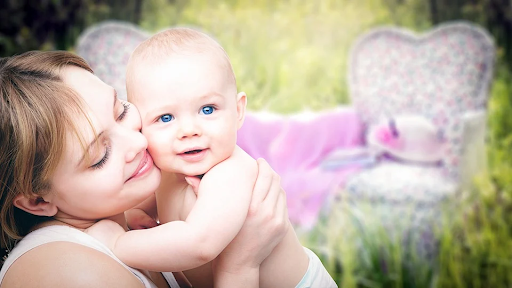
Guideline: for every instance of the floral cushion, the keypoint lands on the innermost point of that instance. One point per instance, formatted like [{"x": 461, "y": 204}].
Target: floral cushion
[
  {"x": 107, "y": 47},
  {"x": 400, "y": 201},
  {"x": 401, "y": 184}
]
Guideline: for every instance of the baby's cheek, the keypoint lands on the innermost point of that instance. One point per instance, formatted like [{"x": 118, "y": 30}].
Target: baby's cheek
[
  {"x": 156, "y": 141},
  {"x": 159, "y": 150}
]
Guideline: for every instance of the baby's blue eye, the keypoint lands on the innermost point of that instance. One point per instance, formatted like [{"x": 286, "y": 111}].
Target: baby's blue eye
[
  {"x": 207, "y": 110},
  {"x": 166, "y": 118}
]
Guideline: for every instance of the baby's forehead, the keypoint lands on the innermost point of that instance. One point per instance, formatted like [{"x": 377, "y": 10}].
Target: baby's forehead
[
  {"x": 171, "y": 63},
  {"x": 162, "y": 55}
]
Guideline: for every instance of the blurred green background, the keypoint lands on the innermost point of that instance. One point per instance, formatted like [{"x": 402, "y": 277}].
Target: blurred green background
[{"x": 292, "y": 55}]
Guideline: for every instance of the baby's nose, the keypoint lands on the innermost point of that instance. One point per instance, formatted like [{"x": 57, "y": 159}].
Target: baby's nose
[{"x": 189, "y": 128}]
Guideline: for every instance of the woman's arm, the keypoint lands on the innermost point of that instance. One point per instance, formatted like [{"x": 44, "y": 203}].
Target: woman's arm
[{"x": 66, "y": 264}]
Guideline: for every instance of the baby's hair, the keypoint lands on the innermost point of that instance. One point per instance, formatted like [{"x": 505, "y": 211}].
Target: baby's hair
[{"x": 177, "y": 41}]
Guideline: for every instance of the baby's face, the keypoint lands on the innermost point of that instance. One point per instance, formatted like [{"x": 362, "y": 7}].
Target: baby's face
[{"x": 190, "y": 112}]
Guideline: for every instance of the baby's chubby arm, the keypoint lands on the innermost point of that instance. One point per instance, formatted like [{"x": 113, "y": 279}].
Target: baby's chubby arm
[
  {"x": 214, "y": 221},
  {"x": 223, "y": 200}
]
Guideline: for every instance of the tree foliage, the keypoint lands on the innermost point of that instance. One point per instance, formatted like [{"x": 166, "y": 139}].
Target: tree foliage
[{"x": 55, "y": 24}]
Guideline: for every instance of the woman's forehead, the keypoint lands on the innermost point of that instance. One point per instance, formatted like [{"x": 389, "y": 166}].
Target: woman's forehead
[
  {"x": 87, "y": 85},
  {"x": 99, "y": 101},
  {"x": 98, "y": 97}
]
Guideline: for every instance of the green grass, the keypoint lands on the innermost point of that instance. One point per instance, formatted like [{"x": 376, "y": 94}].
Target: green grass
[
  {"x": 476, "y": 244},
  {"x": 291, "y": 56}
]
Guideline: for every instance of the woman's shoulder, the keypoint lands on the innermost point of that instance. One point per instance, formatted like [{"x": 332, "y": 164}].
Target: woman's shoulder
[
  {"x": 64, "y": 255},
  {"x": 67, "y": 264}
]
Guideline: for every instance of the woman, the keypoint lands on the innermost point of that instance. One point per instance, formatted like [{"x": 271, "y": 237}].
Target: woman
[{"x": 71, "y": 154}]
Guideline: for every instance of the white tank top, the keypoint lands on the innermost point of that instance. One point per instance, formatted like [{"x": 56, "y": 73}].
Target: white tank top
[{"x": 64, "y": 233}]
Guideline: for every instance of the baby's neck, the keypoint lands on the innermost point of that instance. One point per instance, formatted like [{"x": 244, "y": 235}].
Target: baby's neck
[{"x": 178, "y": 177}]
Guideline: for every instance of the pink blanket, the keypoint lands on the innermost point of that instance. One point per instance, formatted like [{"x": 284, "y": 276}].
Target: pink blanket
[{"x": 296, "y": 146}]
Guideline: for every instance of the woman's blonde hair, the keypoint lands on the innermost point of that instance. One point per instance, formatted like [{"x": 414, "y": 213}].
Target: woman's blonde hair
[{"x": 37, "y": 111}]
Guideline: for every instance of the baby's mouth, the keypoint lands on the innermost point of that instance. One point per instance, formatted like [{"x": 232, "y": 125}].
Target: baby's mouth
[
  {"x": 193, "y": 155},
  {"x": 193, "y": 151}
]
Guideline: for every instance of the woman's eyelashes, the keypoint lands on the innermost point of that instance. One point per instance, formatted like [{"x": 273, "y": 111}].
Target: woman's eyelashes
[
  {"x": 108, "y": 147},
  {"x": 126, "y": 107},
  {"x": 99, "y": 164}
]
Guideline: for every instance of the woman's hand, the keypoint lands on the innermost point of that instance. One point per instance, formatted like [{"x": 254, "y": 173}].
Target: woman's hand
[{"x": 265, "y": 226}]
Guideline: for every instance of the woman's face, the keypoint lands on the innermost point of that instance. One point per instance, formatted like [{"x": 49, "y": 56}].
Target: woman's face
[{"x": 118, "y": 172}]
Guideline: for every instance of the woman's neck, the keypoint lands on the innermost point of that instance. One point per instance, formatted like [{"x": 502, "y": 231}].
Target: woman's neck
[{"x": 82, "y": 224}]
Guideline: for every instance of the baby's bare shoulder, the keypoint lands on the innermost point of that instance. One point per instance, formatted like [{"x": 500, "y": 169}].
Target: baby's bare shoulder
[
  {"x": 239, "y": 160},
  {"x": 239, "y": 167}
]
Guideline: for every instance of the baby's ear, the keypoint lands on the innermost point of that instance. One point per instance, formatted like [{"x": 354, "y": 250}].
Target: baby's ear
[
  {"x": 241, "y": 103},
  {"x": 35, "y": 205}
]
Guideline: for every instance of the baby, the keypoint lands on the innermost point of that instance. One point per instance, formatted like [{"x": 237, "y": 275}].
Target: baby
[{"x": 182, "y": 82}]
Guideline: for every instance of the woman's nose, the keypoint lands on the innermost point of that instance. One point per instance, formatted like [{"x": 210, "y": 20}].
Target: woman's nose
[{"x": 135, "y": 143}]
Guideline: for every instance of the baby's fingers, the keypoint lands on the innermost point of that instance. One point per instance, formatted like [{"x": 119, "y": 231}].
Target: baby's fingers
[
  {"x": 138, "y": 219},
  {"x": 193, "y": 182},
  {"x": 274, "y": 190},
  {"x": 276, "y": 218}
]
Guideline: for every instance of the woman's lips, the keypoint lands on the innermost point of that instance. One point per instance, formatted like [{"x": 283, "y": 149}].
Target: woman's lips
[{"x": 145, "y": 165}]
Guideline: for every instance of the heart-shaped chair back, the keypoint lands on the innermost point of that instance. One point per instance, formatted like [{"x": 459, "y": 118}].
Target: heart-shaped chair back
[
  {"x": 107, "y": 47},
  {"x": 439, "y": 75}
]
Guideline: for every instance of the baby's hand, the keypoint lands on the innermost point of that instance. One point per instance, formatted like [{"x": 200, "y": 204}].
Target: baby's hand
[
  {"x": 193, "y": 182},
  {"x": 138, "y": 219}
]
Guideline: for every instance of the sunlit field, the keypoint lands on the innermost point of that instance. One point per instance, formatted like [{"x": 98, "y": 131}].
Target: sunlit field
[{"x": 287, "y": 55}]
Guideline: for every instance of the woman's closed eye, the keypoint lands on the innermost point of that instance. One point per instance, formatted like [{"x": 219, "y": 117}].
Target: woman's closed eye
[
  {"x": 104, "y": 159},
  {"x": 126, "y": 107},
  {"x": 207, "y": 110},
  {"x": 166, "y": 118}
]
